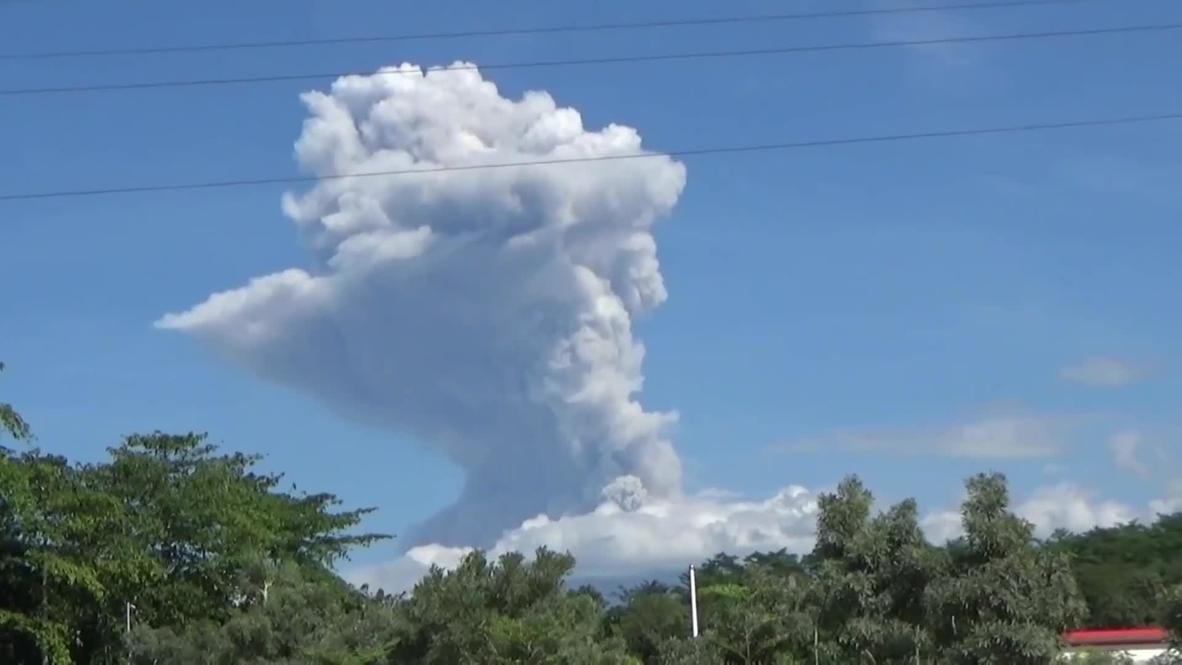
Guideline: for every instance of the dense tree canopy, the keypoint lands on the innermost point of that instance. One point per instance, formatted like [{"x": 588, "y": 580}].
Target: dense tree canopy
[
  {"x": 167, "y": 526},
  {"x": 215, "y": 565},
  {"x": 290, "y": 616},
  {"x": 1003, "y": 600},
  {"x": 870, "y": 576},
  {"x": 1124, "y": 570}
]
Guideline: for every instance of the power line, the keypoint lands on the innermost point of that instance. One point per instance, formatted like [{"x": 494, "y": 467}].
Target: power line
[
  {"x": 696, "y": 55},
  {"x": 689, "y": 152},
  {"x": 600, "y": 27}
]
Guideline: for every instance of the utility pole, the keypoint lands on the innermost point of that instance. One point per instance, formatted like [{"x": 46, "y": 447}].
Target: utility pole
[
  {"x": 129, "y": 608},
  {"x": 693, "y": 601},
  {"x": 44, "y": 598}
]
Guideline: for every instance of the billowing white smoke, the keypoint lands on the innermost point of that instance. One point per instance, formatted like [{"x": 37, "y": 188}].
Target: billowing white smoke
[
  {"x": 489, "y": 314},
  {"x": 624, "y": 539},
  {"x": 486, "y": 312}
]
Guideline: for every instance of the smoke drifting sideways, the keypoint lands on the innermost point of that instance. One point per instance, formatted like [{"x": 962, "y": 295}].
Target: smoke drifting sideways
[{"x": 486, "y": 313}]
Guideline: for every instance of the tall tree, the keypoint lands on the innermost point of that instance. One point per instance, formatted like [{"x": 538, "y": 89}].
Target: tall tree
[
  {"x": 168, "y": 526},
  {"x": 511, "y": 610},
  {"x": 1006, "y": 600},
  {"x": 50, "y": 525},
  {"x": 203, "y": 517},
  {"x": 871, "y": 576},
  {"x": 48, "y": 521},
  {"x": 647, "y": 616},
  {"x": 762, "y": 619}
]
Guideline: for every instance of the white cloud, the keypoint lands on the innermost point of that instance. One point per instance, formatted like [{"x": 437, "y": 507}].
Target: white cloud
[
  {"x": 1067, "y": 506},
  {"x": 1003, "y": 436},
  {"x": 667, "y": 534},
  {"x": 941, "y": 526},
  {"x": 660, "y": 537},
  {"x": 1125, "y": 447},
  {"x": 1060, "y": 506},
  {"x": 624, "y": 537},
  {"x": 403, "y": 573},
  {"x": 1103, "y": 372},
  {"x": 488, "y": 313},
  {"x": 1170, "y": 503}
]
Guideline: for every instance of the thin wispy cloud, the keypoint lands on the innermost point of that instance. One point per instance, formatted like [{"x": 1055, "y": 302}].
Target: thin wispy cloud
[
  {"x": 1006, "y": 436},
  {"x": 1103, "y": 372},
  {"x": 1120, "y": 176},
  {"x": 929, "y": 26},
  {"x": 1125, "y": 448}
]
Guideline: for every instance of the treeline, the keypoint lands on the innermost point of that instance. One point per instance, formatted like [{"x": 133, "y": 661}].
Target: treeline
[
  {"x": 171, "y": 552},
  {"x": 1124, "y": 571}
]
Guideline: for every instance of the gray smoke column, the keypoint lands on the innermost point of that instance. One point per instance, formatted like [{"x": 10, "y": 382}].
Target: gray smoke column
[{"x": 487, "y": 313}]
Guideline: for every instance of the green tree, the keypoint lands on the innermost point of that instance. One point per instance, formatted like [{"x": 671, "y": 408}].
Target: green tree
[
  {"x": 688, "y": 651},
  {"x": 751, "y": 610},
  {"x": 647, "y": 616},
  {"x": 871, "y": 576},
  {"x": 45, "y": 569},
  {"x": 761, "y": 620},
  {"x": 1171, "y": 615},
  {"x": 167, "y": 525},
  {"x": 1006, "y": 600},
  {"x": 511, "y": 610},
  {"x": 54, "y": 532},
  {"x": 203, "y": 517},
  {"x": 1124, "y": 570},
  {"x": 302, "y": 618},
  {"x": 11, "y": 422},
  {"x": 1097, "y": 657}
]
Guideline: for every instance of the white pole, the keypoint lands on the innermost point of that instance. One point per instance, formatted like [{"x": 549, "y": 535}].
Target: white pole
[
  {"x": 129, "y": 606},
  {"x": 693, "y": 602}
]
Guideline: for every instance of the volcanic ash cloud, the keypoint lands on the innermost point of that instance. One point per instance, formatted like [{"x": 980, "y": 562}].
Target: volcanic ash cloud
[{"x": 487, "y": 313}]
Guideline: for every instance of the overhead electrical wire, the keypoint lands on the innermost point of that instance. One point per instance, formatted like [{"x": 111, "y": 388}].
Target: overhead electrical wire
[
  {"x": 537, "y": 30},
  {"x": 695, "y": 55},
  {"x": 688, "y": 152}
]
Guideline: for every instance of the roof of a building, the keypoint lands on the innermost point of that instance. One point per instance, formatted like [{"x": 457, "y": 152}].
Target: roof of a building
[{"x": 1116, "y": 637}]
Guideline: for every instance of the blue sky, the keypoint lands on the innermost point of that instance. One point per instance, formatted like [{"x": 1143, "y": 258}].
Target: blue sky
[{"x": 877, "y": 293}]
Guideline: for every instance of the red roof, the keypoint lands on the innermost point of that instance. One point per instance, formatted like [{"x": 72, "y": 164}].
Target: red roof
[{"x": 1123, "y": 636}]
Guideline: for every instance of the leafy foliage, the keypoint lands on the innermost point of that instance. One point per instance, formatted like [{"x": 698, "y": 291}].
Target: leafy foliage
[
  {"x": 167, "y": 525},
  {"x": 292, "y": 617},
  {"x": 870, "y": 578},
  {"x": 1100, "y": 657},
  {"x": 11, "y": 422},
  {"x": 647, "y": 617},
  {"x": 506, "y": 611},
  {"x": 1171, "y": 615},
  {"x": 1124, "y": 570},
  {"x": 1004, "y": 600},
  {"x": 202, "y": 518},
  {"x": 222, "y": 568}
]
